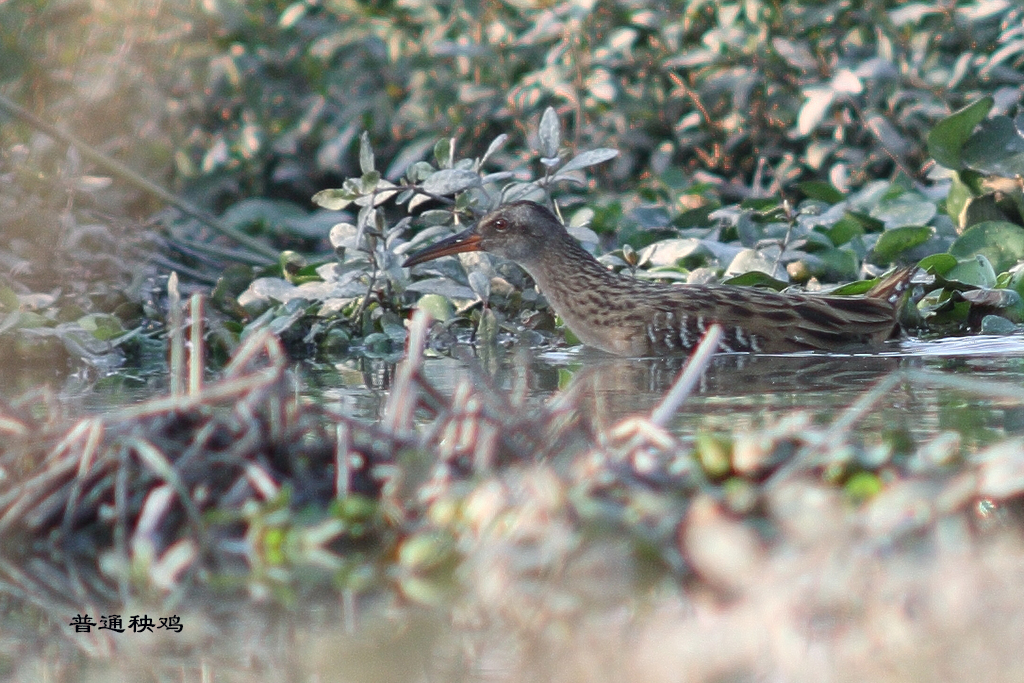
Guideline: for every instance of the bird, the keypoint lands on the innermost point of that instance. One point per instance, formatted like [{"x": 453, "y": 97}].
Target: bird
[{"x": 622, "y": 315}]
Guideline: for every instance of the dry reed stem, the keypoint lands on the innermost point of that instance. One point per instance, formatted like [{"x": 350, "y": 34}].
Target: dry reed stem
[
  {"x": 688, "y": 378},
  {"x": 402, "y": 400}
]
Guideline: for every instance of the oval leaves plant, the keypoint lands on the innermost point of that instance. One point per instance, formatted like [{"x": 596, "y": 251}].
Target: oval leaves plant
[
  {"x": 894, "y": 242},
  {"x": 1001, "y": 242}
]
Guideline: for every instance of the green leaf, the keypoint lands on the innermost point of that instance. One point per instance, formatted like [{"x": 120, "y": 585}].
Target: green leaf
[
  {"x": 1001, "y": 242},
  {"x": 997, "y": 324},
  {"x": 1016, "y": 280},
  {"x": 366, "y": 163},
  {"x": 821, "y": 190},
  {"x": 262, "y": 213},
  {"x": 495, "y": 145},
  {"x": 908, "y": 208},
  {"x": 764, "y": 204},
  {"x": 863, "y": 486},
  {"x": 443, "y": 151},
  {"x": 975, "y": 271},
  {"x": 439, "y": 307},
  {"x": 894, "y": 242},
  {"x": 937, "y": 264},
  {"x": 845, "y": 229},
  {"x": 334, "y": 199},
  {"x": 101, "y": 325},
  {"x": 451, "y": 180},
  {"x": 957, "y": 198},
  {"x": 840, "y": 264},
  {"x": 8, "y": 299},
  {"x": 420, "y": 170},
  {"x": 996, "y": 149},
  {"x": 868, "y": 223},
  {"x": 549, "y": 133},
  {"x": 947, "y": 138},
  {"x": 855, "y": 288},
  {"x": 755, "y": 278},
  {"x": 591, "y": 157},
  {"x": 368, "y": 181}
]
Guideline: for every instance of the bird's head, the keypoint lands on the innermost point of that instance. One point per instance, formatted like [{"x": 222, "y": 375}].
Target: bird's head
[{"x": 518, "y": 231}]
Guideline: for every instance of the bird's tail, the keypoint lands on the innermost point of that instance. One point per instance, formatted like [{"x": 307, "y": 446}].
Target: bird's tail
[{"x": 891, "y": 287}]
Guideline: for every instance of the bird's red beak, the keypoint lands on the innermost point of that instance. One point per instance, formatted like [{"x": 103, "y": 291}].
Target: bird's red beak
[{"x": 467, "y": 240}]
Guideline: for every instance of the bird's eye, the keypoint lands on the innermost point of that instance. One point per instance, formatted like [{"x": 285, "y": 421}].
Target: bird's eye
[{"x": 500, "y": 224}]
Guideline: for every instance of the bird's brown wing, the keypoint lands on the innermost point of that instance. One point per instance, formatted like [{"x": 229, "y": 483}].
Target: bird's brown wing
[{"x": 764, "y": 321}]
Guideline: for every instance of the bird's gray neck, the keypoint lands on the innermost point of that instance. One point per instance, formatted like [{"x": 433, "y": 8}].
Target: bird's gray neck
[
  {"x": 568, "y": 266},
  {"x": 584, "y": 293}
]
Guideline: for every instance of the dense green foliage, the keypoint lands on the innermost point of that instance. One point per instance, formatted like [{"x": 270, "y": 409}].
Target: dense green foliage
[{"x": 815, "y": 117}]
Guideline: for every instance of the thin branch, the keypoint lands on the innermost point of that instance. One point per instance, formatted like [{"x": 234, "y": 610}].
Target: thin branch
[{"x": 118, "y": 169}]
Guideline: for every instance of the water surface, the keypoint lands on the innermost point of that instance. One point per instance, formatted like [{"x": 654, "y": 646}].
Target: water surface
[{"x": 597, "y": 612}]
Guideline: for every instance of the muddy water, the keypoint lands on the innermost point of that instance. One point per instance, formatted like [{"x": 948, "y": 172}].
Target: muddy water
[
  {"x": 737, "y": 390},
  {"x": 831, "y": 602}
]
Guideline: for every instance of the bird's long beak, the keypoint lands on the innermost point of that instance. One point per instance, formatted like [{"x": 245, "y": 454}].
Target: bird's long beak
[{"x": 467, "y": 240}]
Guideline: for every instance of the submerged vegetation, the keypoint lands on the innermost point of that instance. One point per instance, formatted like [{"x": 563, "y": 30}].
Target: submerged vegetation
[{"x": 762, "y": 144}]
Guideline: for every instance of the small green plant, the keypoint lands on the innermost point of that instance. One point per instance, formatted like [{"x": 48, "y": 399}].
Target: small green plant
[{"x": 362, "y": 290}]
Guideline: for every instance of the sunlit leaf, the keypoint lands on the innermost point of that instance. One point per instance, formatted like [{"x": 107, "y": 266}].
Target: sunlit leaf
[
  {"x": 334, "y": 199},
  {"x": 448, "y": 181},
  {"x": 366, "y": 162},
  {"x": 443, "y": 152},
  {"x": 343, "y": 235},
  {"x": 814, "y": 108},
  {"x": 847, "y": 82},
  {"x": 549, "y": 133},
  {"x": 439, "y": 307},
  {"x": 796, "y": 53},
  {"x": 292, "y": 15},
  {"x": 938, "y": 264},
  {"x": 495, "y": 145},
  {"x": 956, "y": 200},
  {"x": 977, "y": 271},
  {"x": 589, "y": 158},
  {"x": 756, "y": 278},
  {"x": 752, "y": 259}
]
